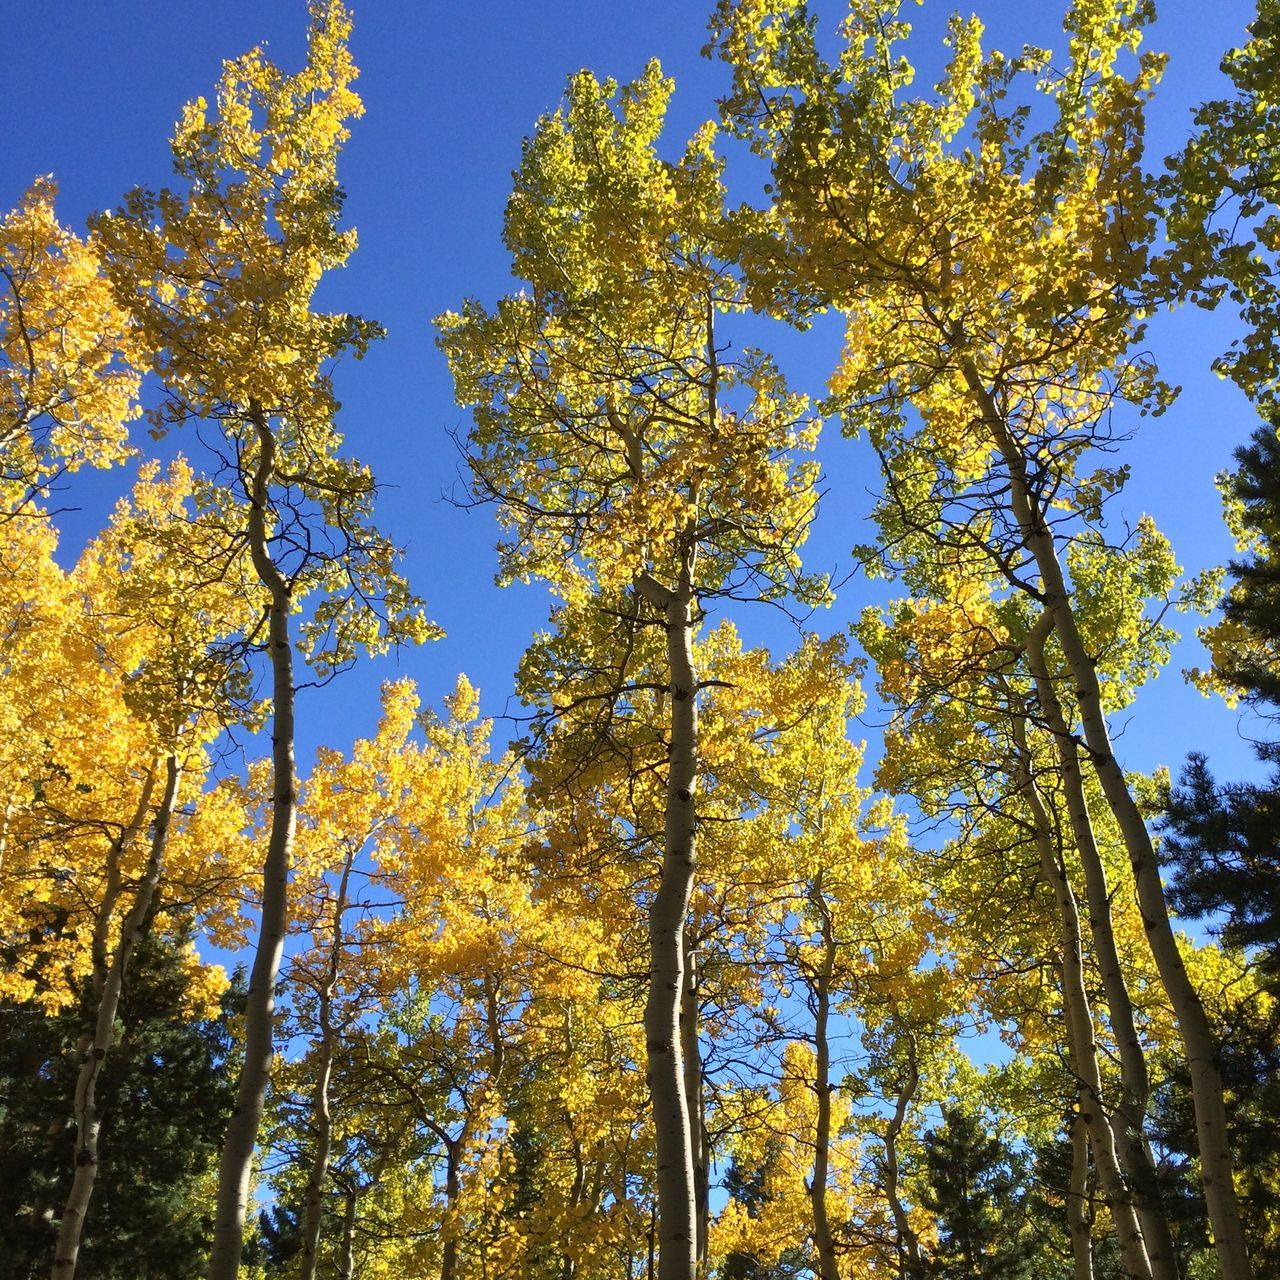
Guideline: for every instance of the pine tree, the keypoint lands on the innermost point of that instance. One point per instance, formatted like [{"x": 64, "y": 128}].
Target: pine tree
[
  {"x": 1223, "y": 841},
  {"x": 1222, "y": 844},
  {"x": 975, "y": 1190},
  {"x": 163, "y": 1096}
]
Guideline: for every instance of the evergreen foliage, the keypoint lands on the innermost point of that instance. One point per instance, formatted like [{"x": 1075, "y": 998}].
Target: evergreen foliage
[
  {"x": 977, "y": 1190},
  {"x": 164, "y": 1095}
]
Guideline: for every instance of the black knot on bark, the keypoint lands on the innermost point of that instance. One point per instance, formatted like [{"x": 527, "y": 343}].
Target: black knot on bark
[{"x": 684, "y": 796}]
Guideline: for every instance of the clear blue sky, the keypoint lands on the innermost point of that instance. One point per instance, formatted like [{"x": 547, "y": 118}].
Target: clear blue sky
[{"x": 90, "y": 93}]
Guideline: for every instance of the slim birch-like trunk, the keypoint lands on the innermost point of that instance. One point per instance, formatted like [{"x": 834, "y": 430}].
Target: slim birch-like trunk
[
  {"x": 321, "y": 1116},
  {"x": 110, "y": 989},
  {"x": 236, "y": 1165},
  {"x": 910, "y": 1259},
  {"x": 1080, "y": 1032},
  {"x": 347, "y": 1249},
  {"x": 452, "y": 1194},
  {"x": 1130, "y": 1116},
  {"x": 677, "y": 1231},
  {"x": 824, "y": 1242},
  {"x": 99, "y": 945},
  {"x": 692, "y": 1051},
  {"x": 1078, "y": 1224},
  {"x": 1213, "y": 1139}
]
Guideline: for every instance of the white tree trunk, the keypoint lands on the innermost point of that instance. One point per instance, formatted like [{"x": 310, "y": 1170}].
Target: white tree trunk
[
  {"x": 675, "y": 1182},
  {"x": 1130, "y": 1116},
  {"x": 93, "y": 1057},
  {"x": 1213, "y": 1140},
  {"x": 236, "y": 1165},
  {"x": 1080, "y": 1034},
  {"x": 321, "y": 1117},
  {"x": 692, "y": 1051},
  {"x": 1078, "y": 1224}
]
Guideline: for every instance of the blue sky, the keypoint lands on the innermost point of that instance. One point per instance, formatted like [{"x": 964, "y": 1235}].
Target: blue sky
[{"x": 91, "y": 91}]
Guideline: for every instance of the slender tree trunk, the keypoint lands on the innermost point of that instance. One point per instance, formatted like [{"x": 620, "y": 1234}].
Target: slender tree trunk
[
  {"x": 692, "y": 1052},
  {"x": 1130, "y": 1117},
  {"x": 455, "y": 1147},
  {"x": 824, "y": 1242},
  {"x": 99, "y": 946},
  {"x": 322, "y": 1119},
  {"x": 677, "y": 1200},
  {"x": 235, "y": 1168},
  {"x": 1080, "y": 1034},
  {"x": 910, "y": 1259},
  {"x": 452, "y": 1194},
  {"x": 1078, "y": 1224},
  {"x": 93, "y": 1058},
  {"x": 100, "y": 962},
  {"x": 577, "y": 1193},
  {"x": 4, "y": 833},
  {"x": 1198, "y": 1042},
  {"x": 347, "y": 1249}
]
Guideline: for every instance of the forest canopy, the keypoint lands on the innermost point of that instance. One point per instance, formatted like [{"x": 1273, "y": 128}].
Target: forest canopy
[{"x": 798, "y": 906}]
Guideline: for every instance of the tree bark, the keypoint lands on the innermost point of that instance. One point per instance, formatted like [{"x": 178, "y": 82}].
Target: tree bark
[
  {"x": 313, "y": 1197},
  {"x": 692, "y": 1052},
  {"x": 452, "y": 1194},
  {"x": 824, "y": 1242},
  {"x": 1078, "y": 1224},
  {"x": 94, "y": 1056},
  {"x": 236, "y": 1164},
  {"x": 677, "y": 1234},
  {"x": 346, "y": 1254},
  {"x": 1130, "y": 1116},
  {"x": 1193, "y": 1025},
  {"x": 910, "y": 1259},
  {"x": 1080, "y": 1034}
]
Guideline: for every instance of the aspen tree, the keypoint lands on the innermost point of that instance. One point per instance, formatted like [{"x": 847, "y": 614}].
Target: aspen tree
[
  {"x": 964, "y": 675},
  {"x": 631, "y": 457},
  {"x": 166, "y": 632},
  {"x": 68, "y": 377},
  {"x": 995, "y": 281},
  {"x": 219, "y": 275}
]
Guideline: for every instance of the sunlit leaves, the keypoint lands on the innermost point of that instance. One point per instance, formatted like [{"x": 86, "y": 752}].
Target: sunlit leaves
[{"x": 67, "y": 387}]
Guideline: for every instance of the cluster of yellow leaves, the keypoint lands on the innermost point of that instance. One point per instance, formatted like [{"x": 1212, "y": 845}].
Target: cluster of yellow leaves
[
  {"x": 68, "y": 381},
  {"x": 221, "y": 276},
  {"x": 109, "y": 669},
  {"x": 607, "y": 419},
  {"x": 964, "y": 250}
]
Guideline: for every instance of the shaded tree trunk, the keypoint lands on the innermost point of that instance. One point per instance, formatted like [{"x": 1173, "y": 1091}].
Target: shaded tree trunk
[
  {"x": 236, "y": 1164},
  {"x": 1193, "y": 1025},
  {"x": 824, "y": 1242},
  {"x": 1079, "y": 1020},
  {"x": 322, "y": 1119},
  {"x": 677, "y": 1231},
  {"x": 1129, "y": 1118},
  {"x": 910, "y": 1259},
  {"x": 347, "y": 1248},
  {"x": 109, "y": 987},
  {"x": 452, "y": 1194}
]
